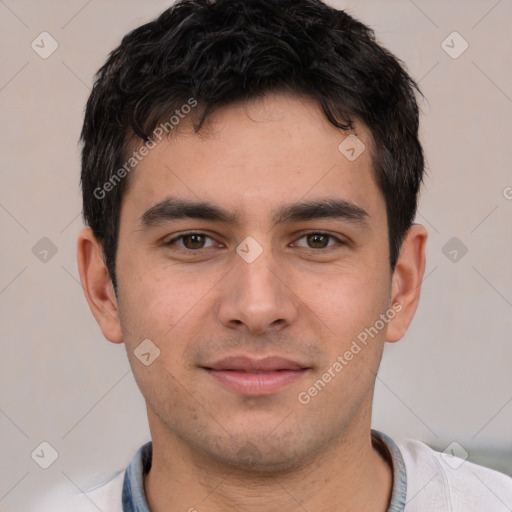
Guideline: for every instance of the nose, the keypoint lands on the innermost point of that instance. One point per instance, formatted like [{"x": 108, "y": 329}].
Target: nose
[{"x": 257, "y": 297}]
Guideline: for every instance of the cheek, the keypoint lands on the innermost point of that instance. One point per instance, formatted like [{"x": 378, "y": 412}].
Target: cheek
[
  {"x": 157, "y": 296},
  {"x": 346, "y": 301},
  {"x": 170, "y": 307}
]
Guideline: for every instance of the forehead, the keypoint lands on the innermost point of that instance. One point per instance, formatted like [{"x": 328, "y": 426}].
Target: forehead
[{"x": 252, "y": 157}]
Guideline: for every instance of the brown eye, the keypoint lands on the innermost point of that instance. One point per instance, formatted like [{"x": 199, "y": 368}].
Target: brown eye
[
  {"x": 317, "y": 240},
  {"x": 193, "y": 241}
]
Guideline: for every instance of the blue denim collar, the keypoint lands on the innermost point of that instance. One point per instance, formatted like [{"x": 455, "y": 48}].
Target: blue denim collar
[
  {"x": 399, "y": 491},
  {"x": 134, "y": 498}
]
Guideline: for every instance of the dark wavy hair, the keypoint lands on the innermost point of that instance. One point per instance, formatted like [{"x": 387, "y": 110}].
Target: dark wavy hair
[{"x": 221, "y": 51}]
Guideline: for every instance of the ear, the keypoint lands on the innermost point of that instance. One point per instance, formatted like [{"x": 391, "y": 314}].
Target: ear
[
  {"x": 97, "y": 285},
  {"x": 406, "y": 281}
]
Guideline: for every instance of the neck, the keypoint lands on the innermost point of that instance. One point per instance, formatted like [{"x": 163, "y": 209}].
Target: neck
[{"x": 352, "y": 475}]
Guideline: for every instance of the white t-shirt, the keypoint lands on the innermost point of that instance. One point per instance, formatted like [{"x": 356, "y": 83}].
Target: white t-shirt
[{"x": 424, "y": 480}]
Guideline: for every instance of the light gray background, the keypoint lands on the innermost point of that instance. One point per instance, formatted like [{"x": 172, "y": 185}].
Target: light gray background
[{"x": 448, "y": 380}]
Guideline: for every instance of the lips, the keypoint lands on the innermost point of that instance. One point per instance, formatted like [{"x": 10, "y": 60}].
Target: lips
[
  {"x": 246, "y": 364},
  {"x": 254, "y": 377}
]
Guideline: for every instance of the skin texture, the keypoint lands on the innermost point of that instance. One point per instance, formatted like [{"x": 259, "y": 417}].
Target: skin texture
[{"x": 304, "y": 299}]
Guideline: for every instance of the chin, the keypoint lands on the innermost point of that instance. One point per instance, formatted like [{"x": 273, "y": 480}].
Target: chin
[{"x": 263, "y": 456}]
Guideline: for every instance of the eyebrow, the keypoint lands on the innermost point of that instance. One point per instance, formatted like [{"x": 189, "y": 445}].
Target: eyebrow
[{"x": 177, "y": 208}]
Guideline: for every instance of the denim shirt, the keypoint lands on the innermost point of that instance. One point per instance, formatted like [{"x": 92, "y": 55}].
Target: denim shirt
[{"x": 134, "y": 499}]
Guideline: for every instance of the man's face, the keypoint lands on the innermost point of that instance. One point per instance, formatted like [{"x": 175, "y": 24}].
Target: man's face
[{"x": 319, "y": 281}]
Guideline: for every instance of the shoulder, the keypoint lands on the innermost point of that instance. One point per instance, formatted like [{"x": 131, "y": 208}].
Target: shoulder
[
  {"x": 442, "y": 481},
  {"x": 106, "y": 495}
]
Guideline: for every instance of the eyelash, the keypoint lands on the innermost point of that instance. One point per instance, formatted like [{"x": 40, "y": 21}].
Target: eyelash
[{"x": 322, "y": 233}]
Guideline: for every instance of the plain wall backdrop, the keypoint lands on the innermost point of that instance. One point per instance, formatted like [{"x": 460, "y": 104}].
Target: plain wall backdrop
[{"x": 449, "y": 380}]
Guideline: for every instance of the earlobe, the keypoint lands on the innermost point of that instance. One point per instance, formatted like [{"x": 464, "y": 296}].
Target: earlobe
[
  {"x": 97, "y": 285},
  {"x": 406, "y": 281}
]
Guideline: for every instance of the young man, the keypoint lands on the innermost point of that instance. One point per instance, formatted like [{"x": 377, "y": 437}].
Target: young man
[{"x": 250, "y": 176}]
